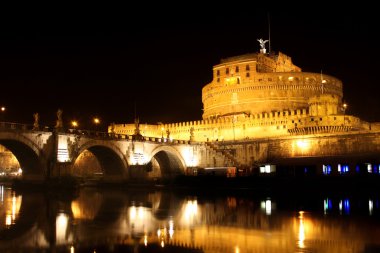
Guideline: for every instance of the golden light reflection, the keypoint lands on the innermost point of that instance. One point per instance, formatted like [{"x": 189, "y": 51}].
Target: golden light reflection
[
  {"x": 62, "y": 221},
  {"x": 8, "y": 220},
  {"x": 72, "y": 249},
  {"x": 85, "y": 207},
  {"x": 237, "y": 250},
  {"x": 171, "y": 229},
  {"x": 190, "y": 212},
  {"x": 132, "y": 213},
  {"x": 301, "y": 231},
  {"x": 145, "y": 240},
  {"x": 266, "y": 205},
  {"x": 162, "y": 244},
  {"x": 12, "y": 208},
  {"x": 140, "y": 219}
]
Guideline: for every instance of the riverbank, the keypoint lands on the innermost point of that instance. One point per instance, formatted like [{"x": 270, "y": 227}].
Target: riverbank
[
  {"x": 254, "y": 183},
  {"x": 273, "y": 184}
]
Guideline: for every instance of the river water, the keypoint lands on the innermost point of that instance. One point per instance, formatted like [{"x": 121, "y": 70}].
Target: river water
[{"x": 136, "y": 220}]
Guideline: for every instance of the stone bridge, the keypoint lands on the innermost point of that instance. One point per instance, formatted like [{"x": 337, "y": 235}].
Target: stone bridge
[{"x": 48, "y": 154}]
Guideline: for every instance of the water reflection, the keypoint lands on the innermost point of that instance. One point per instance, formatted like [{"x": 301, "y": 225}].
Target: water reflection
[{"x": 137, "y": 221}]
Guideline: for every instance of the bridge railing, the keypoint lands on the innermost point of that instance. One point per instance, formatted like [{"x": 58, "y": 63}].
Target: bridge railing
[
  {"x": 15, "y": 126},
  {"x": 89, "y": 133}
]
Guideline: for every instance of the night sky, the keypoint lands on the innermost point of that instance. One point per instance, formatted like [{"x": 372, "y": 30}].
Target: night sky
[{"x": 112, "y": 62}]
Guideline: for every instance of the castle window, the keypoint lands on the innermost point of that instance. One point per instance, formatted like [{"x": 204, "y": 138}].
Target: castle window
[
  {"x": 247, "y": 75},
  {"x": 247, "y": 67},
  {"x": 260, "y": 79},
  {"x": 270, "y": 79},
  {"x": 227, "y": 71},
  {"x": 218, "y": 72},
  {"x": 312, "y": 119},
  {"x": 237, "y": 69},
  {"x": 320, "y": 119},
  {"x": 218, "y": 80},
  {"x": 284, "y": 126},
  {"x": 334, "y": 118}
]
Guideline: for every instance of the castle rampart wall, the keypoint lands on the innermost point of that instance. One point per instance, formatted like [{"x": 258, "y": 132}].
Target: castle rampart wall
[
  {"x": 265, "y": 92},
  {"x": 242, "y": 127}
]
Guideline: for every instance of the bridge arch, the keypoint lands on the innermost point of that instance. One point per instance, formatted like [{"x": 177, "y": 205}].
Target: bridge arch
[
  {"x": 170, "y": 160},
  {"x": 111, "y": 159},
  {"x": 31, "y": 159}
]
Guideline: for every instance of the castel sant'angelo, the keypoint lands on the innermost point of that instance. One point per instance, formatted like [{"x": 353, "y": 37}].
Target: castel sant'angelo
[{"x": 261, "y": 101}]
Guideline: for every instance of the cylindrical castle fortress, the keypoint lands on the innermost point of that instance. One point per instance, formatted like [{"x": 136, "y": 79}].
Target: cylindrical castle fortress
[{"x": 261, "y": 83}]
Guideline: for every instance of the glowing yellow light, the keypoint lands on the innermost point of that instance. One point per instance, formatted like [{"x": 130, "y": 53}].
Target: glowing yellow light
[
  {"x": 141, "y": 212},
  {"x": 74, "y": 123},
  {"x": 303, "y": 144},
  {"x": 72, "y": 249},
  {"x": 62, "y": 221},
  {"x": 8, "y": 220},
  {"x": 237, "y": 250},
  {"x": 290, "y": 78},
  {"x": 3, "y": 108},
  {"x": 96, "y": 120},
  {"x": 132, "y": 213},
  {"x": 301, "y": 231},
  {"x": 162, "y": 244},
  {"x": 324, "y": 81},
  {"x": 345, "y": 105},
  {"x": 191, "y": 209},
  {"x": 171, "y": 229},
  {"x": 145, "y": 240}
]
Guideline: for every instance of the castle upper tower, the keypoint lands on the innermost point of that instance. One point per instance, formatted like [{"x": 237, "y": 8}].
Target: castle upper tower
[{"x": 256, "y": 83}]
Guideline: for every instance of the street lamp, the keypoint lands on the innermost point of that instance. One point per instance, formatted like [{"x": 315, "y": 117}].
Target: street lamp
[
  {"x": 74, "y": 123},
  {"x": 96, "y": 121},
  {"x": 344, "y": 108},
  {"x": 162, "y": 132},
  {"x": 2, "y": 112}
]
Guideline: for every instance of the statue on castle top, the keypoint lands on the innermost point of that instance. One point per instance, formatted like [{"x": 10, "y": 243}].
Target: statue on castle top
[
  {"x": 36, "y": 125},
  {"x": 262, "y": 43}
]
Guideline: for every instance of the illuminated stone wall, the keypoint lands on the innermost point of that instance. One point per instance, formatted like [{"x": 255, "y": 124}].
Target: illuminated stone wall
[
  {"x": 243, "y": 127},
  {"x": 257, "y": 83},
  {"x": 7, "y": 160},
  {"x": 337, "y": 147}
]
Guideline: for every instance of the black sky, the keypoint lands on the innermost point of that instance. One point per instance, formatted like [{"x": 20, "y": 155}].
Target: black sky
[{"x": 110, "y": 61}]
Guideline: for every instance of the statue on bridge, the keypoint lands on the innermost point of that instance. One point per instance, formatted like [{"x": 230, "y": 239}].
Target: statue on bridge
[
  {"x": 59, "y": 124},
  {"x": 36, "y": 125},
  {"x": 137, "y": 135},
  {"x": 192, "y": 134},
  {"x": 137, "y": 126}
]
